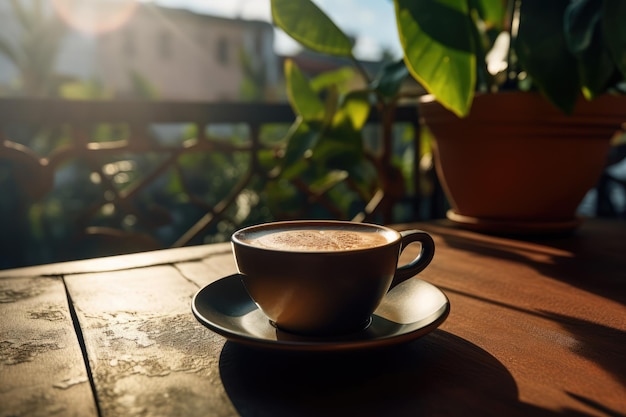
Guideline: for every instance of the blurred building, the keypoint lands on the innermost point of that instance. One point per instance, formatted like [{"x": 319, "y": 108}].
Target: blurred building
[{"x": 180, "y": 54}]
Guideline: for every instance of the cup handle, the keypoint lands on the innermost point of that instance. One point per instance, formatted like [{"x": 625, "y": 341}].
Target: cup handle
[{"x": 421, "y": 261}]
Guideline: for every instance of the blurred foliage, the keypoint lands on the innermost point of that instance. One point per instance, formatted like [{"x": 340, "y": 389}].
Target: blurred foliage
[
  {"x": 51, "y": 228},
  {"x": 326, "y": 145},
  {"x": 322, "y": 166},
  {"x": 34, "y": 53}
]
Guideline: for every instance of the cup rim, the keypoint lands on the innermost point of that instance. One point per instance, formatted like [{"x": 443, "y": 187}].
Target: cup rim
[{"x": 237, "y": 241}]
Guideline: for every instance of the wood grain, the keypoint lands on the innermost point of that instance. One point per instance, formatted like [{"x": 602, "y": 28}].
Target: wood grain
[
  {"x": 537, "y": 327},
  {"x": 149, "y": 356},
  {"x": 550, "y": 310},
  {"x": 117, "y": 263},
  {"x": 42, "y": 372}
]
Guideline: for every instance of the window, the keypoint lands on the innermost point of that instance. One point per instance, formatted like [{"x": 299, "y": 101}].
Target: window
[
  {"x": 222, "y": 51},
  {"x": 260, "y": 40}
]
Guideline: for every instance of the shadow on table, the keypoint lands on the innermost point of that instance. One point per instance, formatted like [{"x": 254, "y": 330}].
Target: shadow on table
[
  {"x": 600, "y": 344},
  {"x": 575, "y": 258},
  {"x": 440, "y": 374}
]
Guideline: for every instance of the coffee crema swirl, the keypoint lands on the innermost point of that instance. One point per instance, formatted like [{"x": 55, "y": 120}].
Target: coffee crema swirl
[{"x": 316, "y": 240}]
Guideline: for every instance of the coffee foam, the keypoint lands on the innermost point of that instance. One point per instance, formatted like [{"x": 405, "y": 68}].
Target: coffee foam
[{"x": 311, "y": 240}]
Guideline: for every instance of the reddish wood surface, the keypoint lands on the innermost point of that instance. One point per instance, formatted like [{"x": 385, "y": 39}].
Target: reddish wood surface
[{"x": 536, "y": 328}]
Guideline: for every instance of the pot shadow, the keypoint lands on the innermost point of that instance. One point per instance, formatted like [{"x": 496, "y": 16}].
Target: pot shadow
[
  {"x": 440, "y": 374},
  {"x": 575, "y": 257},
  {"x": 600, "y": 344}
]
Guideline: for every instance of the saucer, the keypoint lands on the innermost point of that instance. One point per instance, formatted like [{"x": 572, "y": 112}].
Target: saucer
[
  {"x": 409, "y": 311},
  {"x": 513, "y": 227}
]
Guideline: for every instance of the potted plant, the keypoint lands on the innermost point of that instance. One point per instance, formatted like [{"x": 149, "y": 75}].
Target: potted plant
[
  {"x": 554, "y": 63},
  {"x": 520, "y": 160}
]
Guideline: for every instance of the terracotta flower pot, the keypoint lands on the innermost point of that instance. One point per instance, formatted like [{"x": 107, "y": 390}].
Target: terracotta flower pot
[{"x": 516, "y": 164}]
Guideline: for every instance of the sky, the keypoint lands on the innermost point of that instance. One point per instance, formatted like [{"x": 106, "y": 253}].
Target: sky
[{"x": 372, "y": 22}]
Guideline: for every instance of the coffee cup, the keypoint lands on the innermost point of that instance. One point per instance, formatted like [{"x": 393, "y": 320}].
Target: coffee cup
[{"x": 324, "y": 278}]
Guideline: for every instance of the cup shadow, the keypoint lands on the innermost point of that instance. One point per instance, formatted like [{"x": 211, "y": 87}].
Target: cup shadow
[{"x": 440, "y": 374}]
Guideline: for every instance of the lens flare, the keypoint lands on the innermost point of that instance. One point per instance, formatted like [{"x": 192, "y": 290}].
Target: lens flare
[{"x": 95, "y": 16}]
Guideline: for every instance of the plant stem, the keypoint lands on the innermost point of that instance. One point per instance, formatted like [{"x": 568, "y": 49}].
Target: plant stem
[{"x": 513, "y": 7}]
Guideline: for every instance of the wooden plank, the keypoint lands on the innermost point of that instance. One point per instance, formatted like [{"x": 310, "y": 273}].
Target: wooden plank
[
  {"x": 551, "y": 311},
  {"x": 42, "y": 371},
  {"x": 149, "y": 355},
  {"x": 207, "y": 270},
  {"x": 116, "y": 263}
]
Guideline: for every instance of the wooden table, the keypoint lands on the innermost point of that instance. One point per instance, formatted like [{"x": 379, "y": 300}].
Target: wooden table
[{"x": 535, "y": 328}]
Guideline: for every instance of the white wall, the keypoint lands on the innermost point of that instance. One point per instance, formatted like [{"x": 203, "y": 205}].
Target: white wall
[{"x": 175, "y": 50}]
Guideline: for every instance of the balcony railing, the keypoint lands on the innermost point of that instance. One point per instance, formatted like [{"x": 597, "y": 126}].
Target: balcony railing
[{"x": 93, "y": 178}]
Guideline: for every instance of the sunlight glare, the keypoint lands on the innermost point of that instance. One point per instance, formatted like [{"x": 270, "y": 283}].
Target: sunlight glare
[{"x": 95, "y": 16}]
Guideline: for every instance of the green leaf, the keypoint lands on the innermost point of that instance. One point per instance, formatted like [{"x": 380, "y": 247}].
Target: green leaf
[
  {"x": 391, "y": 78},
  {"x": 543, "y": 54},
  {"x": 340, "y": 77},
  {"x": 364, "y": 175},
  {"x": 355, "y": 110},
  {"x": 328, "y": 181},
  {"x": 338, "y": 148},
  {"x": 302, "y": 97},
  {"x": 301, "y": 139},
  {"x": 491, "y": 22},
  {"x": 492, "y": 13},
  {"x": 267, "y": 158},
  {"x": 282, "y": 196},
  {"x": 309, "y": 25},
  {"x": 437, "y": 40},
  {"x": 579, "y": 23},
  {"x": 585, "y": 39},
  {"x": 615, "y": 31}
]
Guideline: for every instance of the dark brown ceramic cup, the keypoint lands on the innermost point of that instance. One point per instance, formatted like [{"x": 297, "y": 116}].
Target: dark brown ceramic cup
[{"x": 324, "y": 278}]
